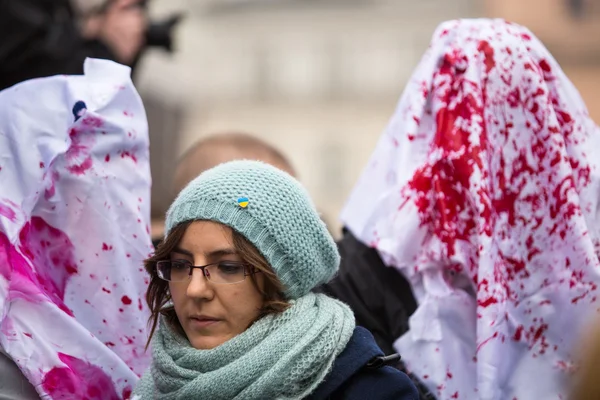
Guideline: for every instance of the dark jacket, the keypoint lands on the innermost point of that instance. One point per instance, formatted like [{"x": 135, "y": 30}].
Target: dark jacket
[
  {"x": 353, "y": 379},
  {"x": 380, "y": 297},
  {"x": 40, "y": 38}
]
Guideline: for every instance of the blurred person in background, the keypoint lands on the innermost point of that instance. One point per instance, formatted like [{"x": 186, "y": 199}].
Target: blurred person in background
[
  {"x": 216, "y": 149},
  {"x": 41, "y": 38},
  {"x": 483, "y": 193}
]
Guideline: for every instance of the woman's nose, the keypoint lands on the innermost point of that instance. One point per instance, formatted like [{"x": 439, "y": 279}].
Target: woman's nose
[{"x": 199, "y": 287}]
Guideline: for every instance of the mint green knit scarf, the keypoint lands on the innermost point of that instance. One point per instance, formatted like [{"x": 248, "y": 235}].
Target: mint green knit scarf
[{"x": 284, "y": 356}]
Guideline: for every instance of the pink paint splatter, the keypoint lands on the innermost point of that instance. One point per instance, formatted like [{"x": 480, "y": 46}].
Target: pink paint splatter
[
  {"x": 50, "y": 190},
  {"x": 91, "y": 121},
  {"x": 130, "y": 155},
  {"x": 7, "y": 212},
  {"x": 78, "y": 379},
  {"x": 51, "y": 250},
  {"x": 126, "y": 300},
  {"x": 78, "y": 154}
]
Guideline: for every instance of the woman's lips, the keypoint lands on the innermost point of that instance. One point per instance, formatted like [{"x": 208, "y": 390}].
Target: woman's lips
[{"x": 200, "y": 323}]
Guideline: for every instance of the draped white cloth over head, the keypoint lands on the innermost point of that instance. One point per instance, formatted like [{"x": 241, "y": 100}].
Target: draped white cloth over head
[
  {"x": 483, "y": 191},
  {"x": 74, "y": 214}
]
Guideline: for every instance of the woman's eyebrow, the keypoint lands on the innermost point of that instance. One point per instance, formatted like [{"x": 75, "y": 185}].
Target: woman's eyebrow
[
  {"x": 221, "y": 252},
  {"x": 213, "y": 253},
  {"x": 181, "y": 251}
]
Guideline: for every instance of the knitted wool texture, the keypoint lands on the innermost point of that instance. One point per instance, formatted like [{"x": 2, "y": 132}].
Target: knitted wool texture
[
  {"x": 279, "y": 219},
  {"x": 283, "y": 356}
]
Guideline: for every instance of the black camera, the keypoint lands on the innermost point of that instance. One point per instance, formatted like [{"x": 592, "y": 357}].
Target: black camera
[{"x": 160, "y": 33}]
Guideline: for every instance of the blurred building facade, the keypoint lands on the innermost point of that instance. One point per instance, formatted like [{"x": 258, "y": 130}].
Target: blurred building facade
[{"x": 317, "y": 78}]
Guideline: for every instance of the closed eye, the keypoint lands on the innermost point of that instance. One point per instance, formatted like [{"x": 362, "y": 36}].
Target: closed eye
[
  {"x": 230, "y": 267},
  {"x": 180, "y": 264}
]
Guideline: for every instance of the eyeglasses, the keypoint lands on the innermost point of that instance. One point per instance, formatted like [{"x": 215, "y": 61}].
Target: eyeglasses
[{"x": 220, "y": 272}]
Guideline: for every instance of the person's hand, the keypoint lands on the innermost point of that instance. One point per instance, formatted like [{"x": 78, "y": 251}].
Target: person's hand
[{"x": 123, "y": 29}]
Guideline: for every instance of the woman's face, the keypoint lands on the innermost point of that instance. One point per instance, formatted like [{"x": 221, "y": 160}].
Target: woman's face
[{"x": 212, "y": 313}]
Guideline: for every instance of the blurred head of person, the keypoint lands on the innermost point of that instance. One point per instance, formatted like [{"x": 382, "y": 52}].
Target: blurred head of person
[
  {"x": 217, "y": 149},
  {"x": 223, "y": 147}
]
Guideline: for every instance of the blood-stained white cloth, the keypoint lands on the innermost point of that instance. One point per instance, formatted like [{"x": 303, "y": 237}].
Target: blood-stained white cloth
[
  {"x": 483, "y": 191},
  {"x": 74, "y": 216}
]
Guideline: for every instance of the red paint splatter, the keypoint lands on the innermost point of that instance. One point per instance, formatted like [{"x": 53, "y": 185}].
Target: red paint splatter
[
  {"x": 42, "y": 164},
  {"x": 107, "y": 158},
  {"x": 106, "y": 247},
  {"x": 78, "y": 379},
  {"x": 526, "y": 36},
  {"x": 488, "y": 52},
  {"x": 80, "y": 169},
  {"x": 106, "y": 290},
  {"x": 126, "y": 300},
  {"x": 518, "y": 333},
  {"x": 29, "y": 335},
  {"x": 454, "y": 396},
  {"x": 545, "y": 66},
  {"x": 127, "y": 393},
  {"x": 487, "y": 302},
  {"x": 140, "y": 306}
]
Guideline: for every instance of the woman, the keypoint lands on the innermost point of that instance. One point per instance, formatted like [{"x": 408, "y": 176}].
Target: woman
[
  {"x": 484, "y": 192},
  {"x": 233, "y": 315}
]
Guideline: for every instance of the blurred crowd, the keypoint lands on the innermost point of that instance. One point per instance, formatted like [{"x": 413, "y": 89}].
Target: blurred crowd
[{"x": 467, "y": 266}]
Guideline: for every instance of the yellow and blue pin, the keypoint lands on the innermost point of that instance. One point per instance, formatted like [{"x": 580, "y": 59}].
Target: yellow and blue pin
[{"x": 243, "y": 202}]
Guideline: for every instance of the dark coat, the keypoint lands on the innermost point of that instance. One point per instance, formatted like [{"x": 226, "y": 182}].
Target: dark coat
[
  {"x": 380, "y": 297},
  {"x": 352, "y": 379}
]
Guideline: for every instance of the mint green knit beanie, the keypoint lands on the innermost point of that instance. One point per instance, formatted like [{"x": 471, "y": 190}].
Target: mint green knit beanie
[{"x": 273, "y": 211}]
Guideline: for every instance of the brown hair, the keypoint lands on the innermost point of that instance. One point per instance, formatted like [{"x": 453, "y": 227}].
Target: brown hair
[{"x": 157, "y": 295}]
